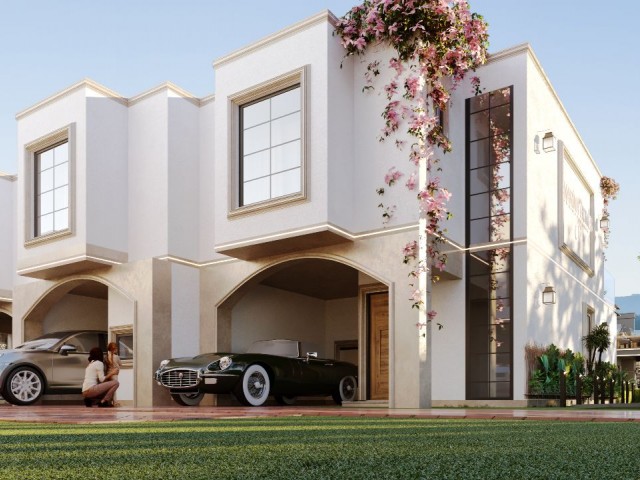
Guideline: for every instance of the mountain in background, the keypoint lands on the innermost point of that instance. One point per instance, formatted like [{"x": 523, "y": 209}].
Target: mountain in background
[{"x": 630, "y": 304}]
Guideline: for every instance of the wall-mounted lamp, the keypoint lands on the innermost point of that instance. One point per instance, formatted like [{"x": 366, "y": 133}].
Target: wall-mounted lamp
[
  {"x": 549, "y": 295},
  {"x": 604, "y": 223},
  {"x": 548, "y": 142}
]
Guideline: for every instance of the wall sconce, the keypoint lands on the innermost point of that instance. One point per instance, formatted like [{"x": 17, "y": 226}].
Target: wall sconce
[
  {"x": 549, "y": 142},
  {"x": 549, "y": 295},
  {"x": 604, "y": 223}
]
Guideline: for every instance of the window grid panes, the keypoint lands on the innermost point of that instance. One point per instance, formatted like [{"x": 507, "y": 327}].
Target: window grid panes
[
  {"x": 52, "y": 190},
  {"x": 271, "y": 147},
  {"x": 489, "y": 352}
]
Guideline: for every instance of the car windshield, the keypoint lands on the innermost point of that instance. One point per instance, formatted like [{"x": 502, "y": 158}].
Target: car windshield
[
  {"x": 42, "y": 343},
  {"x": 282, "y": 348}
]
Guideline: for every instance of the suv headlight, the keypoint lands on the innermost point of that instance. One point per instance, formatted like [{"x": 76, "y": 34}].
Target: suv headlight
[{"x": 224, "y": 362}]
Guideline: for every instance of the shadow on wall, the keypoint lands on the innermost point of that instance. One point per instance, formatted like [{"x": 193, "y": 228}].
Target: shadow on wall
[
  {"x": 74, "y": 305},
  {"x": 5, "y": 331}
]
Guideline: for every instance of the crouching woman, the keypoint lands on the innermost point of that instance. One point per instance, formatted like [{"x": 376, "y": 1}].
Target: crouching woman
[{"x": 96, "y": 385}]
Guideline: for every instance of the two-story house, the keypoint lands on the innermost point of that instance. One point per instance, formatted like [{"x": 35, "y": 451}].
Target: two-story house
[{"x": 186, "y": 225}]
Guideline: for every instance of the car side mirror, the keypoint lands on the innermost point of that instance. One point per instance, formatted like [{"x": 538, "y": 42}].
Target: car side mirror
[
  {"x": 312, "y": 355},
  {"x": 65, "y": 349}
]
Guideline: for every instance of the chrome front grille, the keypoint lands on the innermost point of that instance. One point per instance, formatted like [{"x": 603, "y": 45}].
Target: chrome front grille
[{"x": 179, "y": 378}]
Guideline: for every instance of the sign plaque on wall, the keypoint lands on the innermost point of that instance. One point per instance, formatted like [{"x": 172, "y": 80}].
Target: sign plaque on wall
[{"x": 575, "y": 212}]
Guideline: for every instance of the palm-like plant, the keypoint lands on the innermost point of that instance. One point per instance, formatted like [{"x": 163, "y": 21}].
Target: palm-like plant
[{"x": 597, "y": 341}]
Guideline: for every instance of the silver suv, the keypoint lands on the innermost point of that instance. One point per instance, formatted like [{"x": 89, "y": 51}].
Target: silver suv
[{"x": 53, "y": 363}]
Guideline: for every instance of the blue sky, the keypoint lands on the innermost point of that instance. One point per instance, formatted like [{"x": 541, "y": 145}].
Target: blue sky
[{"x": 587, "y": 48}]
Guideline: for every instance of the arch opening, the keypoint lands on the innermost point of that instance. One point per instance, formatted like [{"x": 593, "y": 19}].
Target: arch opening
[
  {"x": 88, "y": 304},
  {"x": 324, "y": 304}
]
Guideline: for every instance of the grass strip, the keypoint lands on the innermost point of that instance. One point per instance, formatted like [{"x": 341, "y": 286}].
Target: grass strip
[{"x": 320, "y": 448}]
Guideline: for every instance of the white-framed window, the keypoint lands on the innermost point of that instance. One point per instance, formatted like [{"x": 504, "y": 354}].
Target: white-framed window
[
  {"x": 49, "y": 186},
  {"x": 51, "y": 189},
  {"x": 271, "y": 147},
  {"x": 267, "y": 156}
]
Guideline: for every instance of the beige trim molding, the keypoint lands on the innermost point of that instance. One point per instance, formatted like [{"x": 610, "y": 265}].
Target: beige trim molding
[
  {"x": 66, "y": 261},
  {"x": 50, "y": 237},
  {"x": 108, "y": 93},
  {"x": 324, "y": 16},
  {"x": 86, "y": 83},
  {"x": 171, "y": 87},
  {"x": 8, "y": 177},
  {"x": 207, "y": 100}
]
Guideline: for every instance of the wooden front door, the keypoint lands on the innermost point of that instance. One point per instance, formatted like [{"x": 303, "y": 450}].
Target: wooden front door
[{"x": 379, "y": 346}]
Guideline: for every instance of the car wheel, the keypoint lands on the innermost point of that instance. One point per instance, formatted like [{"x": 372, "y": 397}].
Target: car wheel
[
  {"x": 24, "y": 386},
  {"x": 284, "y": 400},
  {"x": 254, "y": 386},
  {"x": 346, "y": 391},
  {"x": 191, "y": 399}
]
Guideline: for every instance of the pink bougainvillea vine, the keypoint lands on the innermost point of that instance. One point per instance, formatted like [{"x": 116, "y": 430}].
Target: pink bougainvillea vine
[
  {"x": 436, "y": 43},
  {"x": 609, "y": 189}
]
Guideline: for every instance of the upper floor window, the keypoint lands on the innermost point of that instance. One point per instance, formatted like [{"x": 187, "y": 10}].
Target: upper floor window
[
  {"x": 271, "y": 147},
  {"x": 267, "y": 155},
  {"x": 51, "y": 188}
]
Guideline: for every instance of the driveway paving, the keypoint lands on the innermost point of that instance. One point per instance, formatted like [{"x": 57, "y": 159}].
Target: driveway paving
[{"x": 79, "y": 414}]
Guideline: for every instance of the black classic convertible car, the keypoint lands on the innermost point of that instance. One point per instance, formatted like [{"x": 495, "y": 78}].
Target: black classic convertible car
[{"x": 270, "y": 367}]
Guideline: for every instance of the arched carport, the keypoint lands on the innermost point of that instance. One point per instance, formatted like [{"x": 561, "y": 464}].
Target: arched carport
[
  {"x": 89, "y": 303},
  {"x": 325, "y": 303}
]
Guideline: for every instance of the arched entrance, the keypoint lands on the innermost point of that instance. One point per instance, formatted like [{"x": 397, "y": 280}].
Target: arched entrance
[
  {"x": 324, "y": 304},
  {"x": 89, "y": 303}
]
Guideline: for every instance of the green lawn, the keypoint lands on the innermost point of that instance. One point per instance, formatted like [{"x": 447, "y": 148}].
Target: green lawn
[{"x": 321, "y": 448}]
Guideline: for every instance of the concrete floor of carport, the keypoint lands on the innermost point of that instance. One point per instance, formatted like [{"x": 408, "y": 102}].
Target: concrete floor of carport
[{"x": 79, "y": 414}]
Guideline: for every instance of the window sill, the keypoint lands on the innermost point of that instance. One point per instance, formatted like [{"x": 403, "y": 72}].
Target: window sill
[
  {"x": 267, "y": 205},
  {"x": 49, "y": 237}
]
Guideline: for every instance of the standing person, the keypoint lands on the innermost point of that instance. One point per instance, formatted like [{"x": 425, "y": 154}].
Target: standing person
[
  {"x": 113, "y": 365},
  {"x": 96, "y": 385}
]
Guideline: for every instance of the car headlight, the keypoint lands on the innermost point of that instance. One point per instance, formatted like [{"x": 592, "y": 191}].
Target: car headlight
[
  {"x": 224, "y": 362},
  {"x": 163, "y": 363}
]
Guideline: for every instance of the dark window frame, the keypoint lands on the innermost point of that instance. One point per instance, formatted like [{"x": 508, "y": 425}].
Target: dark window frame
[
  {"x": 470, "y": 326},
  {"x": 37, "y": 233}
]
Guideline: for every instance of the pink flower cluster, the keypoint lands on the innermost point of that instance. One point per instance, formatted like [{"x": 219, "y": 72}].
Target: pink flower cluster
[
  {"x": 392, "y": 176},
  {"x": 437, "y": 42}
]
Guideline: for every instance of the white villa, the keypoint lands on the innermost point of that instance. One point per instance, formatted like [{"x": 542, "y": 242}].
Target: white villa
[{"x": 183, "y": 225}]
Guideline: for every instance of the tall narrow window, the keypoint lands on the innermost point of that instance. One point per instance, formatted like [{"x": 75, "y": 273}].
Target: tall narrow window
[
  {"x": 489, "y": 336},
  {"x": 51, "y": 187},
  {"x": 271, "y": 147}
]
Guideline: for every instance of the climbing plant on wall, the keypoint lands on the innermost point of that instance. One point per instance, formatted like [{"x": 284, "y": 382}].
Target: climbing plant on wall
[{"x": 435, "y": 44}]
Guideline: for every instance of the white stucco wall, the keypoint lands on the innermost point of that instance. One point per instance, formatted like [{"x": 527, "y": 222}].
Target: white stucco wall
[
  {"x": 8, "y": 192},
  {"x": 372, "y": 159},
  {"x": 576, "y": 289},
  {"x": 206, "y": 167},
  {"x": 185, "y": 310},
  {"x": 121, "y": 312},
  {"x": 183, "y": 202},
  {"x": 148, "y": 177},
  {"x": 106, "y": 174}
]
